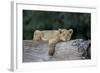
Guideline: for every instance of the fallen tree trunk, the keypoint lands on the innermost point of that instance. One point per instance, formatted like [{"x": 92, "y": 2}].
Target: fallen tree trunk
[{"x": 37, "y": 51}]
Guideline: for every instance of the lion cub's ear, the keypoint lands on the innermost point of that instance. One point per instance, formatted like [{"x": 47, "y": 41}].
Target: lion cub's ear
[
  {"x": 70, "y": 31},
  {"x": 60, "y": 30}
]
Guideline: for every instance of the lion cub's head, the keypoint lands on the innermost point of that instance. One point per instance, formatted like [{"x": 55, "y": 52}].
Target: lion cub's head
[{"x": 65, "y": 34}]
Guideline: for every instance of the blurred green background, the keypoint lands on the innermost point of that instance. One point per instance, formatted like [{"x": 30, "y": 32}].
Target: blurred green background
[{"x": 49, "y": 20}]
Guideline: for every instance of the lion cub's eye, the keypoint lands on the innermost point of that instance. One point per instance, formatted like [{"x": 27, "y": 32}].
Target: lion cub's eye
[{"x": 63, "y": 34}]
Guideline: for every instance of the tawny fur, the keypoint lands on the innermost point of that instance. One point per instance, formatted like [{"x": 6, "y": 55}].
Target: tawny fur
[{"x": 53, "y": 37}]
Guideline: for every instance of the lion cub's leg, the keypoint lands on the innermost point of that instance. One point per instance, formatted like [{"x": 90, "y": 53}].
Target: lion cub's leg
[
  {"x": 38, "y": 35},
  {"x": 52, "y": 44},
  {"x": 51, "y": 49}
]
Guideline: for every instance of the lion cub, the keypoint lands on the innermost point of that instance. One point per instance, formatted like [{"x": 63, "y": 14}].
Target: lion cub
[{"x": 53, "y": 37}]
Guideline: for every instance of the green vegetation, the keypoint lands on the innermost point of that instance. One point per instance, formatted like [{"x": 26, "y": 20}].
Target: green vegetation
[{"x": 49, "y": 20}]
